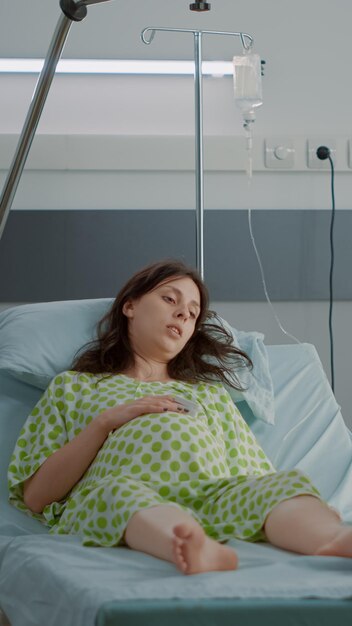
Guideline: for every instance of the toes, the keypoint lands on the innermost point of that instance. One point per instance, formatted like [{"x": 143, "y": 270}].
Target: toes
[
  {"x": 178, "y": 554},
  {"x": 182, "y": 531},
  {"x": 180, "y": 561}
]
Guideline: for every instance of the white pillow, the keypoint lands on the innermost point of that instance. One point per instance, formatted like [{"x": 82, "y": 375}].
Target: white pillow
[
  {"x": 37, "y": 341},
  {"x": 259, "y": 394}
]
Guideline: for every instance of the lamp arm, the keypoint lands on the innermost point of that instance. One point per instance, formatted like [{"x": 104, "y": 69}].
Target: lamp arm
[
  {"x": 76, "y": 9},
  {"x": 71, "y": 11}
]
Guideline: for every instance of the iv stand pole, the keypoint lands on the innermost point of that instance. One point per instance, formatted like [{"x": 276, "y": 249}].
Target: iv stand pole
[
  {"x": 198, "y": 105},
  {"x": 72, "y": 11}
]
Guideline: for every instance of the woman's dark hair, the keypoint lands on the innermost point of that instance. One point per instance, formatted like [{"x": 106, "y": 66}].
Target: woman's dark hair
[{"x": 208, "y": 355}]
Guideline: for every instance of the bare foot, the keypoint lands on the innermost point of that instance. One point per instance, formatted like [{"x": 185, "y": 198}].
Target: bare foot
[
  {"x": 341, "y": 545},
  {"x": 194, "y": 552}
]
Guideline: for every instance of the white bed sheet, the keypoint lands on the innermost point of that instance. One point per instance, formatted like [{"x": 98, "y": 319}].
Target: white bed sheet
[{"x": 67, "y": 583}]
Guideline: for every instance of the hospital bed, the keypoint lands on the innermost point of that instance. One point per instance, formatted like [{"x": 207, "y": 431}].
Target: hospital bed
[{"x": 48, "y": 580}]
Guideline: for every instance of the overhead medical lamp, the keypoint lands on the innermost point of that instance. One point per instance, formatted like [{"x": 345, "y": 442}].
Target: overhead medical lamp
[
  {"x": 247, "y": 43},
  {"x": 72, "y": 11}
]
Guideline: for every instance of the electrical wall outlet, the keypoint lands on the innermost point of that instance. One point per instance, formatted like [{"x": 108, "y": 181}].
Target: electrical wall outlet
[
  {"x": 313, "y": 161},
  {"x": 279, "y": 153}
]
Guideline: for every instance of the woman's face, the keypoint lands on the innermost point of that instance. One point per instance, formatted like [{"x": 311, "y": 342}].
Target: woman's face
[{"x": 163, "y": 320}]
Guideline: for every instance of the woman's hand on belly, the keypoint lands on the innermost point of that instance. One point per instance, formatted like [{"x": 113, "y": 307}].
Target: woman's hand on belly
[{"x": 120, "y": 414}]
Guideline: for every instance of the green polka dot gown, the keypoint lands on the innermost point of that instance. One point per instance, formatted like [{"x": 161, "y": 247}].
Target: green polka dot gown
[{"x": 209, "y": 465}]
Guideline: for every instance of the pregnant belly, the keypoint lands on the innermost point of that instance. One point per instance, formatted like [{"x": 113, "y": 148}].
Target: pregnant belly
[{"x": 165, "y": 447}]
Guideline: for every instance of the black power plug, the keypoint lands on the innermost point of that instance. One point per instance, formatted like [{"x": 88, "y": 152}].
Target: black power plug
[{"x": 323, "y": 152}]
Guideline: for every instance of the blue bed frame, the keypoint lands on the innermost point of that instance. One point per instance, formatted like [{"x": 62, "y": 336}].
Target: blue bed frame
[{"x": 271, "y": 612}]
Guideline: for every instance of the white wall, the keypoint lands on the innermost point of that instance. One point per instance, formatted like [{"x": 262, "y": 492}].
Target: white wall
[{"x": 307, "y": 93}]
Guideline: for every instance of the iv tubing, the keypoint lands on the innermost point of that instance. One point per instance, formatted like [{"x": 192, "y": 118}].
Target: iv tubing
[{"x": 263, "y": 279}]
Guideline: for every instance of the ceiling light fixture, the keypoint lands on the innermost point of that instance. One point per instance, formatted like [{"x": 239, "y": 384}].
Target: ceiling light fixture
[{"x": 116, "y": 66}]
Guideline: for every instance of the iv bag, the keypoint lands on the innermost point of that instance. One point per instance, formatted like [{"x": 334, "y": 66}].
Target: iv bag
[{"x": 247, "y": 81}]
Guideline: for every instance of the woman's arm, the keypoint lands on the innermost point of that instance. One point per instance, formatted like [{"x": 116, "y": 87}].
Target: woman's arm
[{"x": 65, "y": 467}]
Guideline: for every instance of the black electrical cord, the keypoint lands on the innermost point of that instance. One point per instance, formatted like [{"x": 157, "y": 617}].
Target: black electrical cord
[
  {"x": 332, "y": 258},
  {"x": 324, "y": 153}
]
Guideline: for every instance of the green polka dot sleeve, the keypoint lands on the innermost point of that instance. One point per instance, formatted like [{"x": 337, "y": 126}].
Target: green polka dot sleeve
[
  {"x": 43, "y": 432},
  {"x": 243, "y": 453}
]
